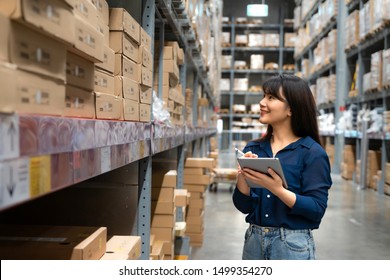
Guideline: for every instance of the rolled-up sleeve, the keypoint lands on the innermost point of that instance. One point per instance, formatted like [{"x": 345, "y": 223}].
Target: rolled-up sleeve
[{"x": 312, "y": 201}]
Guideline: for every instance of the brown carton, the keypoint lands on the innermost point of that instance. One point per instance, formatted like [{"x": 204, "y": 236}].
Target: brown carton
[
  {"x": 121, "y": 20},
  {"x": 30, "y": 93},
  {"x": 79, "y": 103},
  {"x": 31, "y": 50},
  {"x": 127, "y": 88},
  {"x": 127, "y": 245},
  {"x": 181, "y": 197},
  {"x": 164, "y": 179},
  {"x": 165, "y": 234},
  {"x": 121, "y": 43},
  {"x": 162, "y": 194},
  {"x": 108, "y": 106},
  {"x": 163, "y": 220},
  {"x": 162, "y": 207},
  {"x": 104, "y": 82},
  {"x": 200, "y": 162},
  {"x": 130, "y": 110},
  {"x": 146, "y": 77},
  {"x": 103, "y": 10},
  {"x": 144, "y": 112},
  {"x": 127, "y": 68},
  {"x": 89, "y": 42},
  {"x": 87, "y": 11},
  {"x": 108, "y": 63},
  {"x": 79, "y": 71},
  {"x": 146, "y": 58},
  {"x": 146, "y": 94},
  {"x": 59, "y": 23},
  {"x": 104, "y": 30},
  {"x": 146, "y": 40}
]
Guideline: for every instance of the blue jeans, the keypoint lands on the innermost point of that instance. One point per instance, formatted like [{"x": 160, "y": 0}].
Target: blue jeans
[{"x": 271, "y": 243}]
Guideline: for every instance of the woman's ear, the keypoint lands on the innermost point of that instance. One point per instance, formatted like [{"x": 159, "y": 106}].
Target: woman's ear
[{"x": 289, "y": 113}]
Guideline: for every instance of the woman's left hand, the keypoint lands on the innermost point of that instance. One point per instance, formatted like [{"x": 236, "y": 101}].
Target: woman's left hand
[{"x": 273, "y": 183}]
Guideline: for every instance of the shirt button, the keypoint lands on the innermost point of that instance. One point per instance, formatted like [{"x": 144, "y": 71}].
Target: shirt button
[
  {"x": 266, "y": 215},
  {"x": 268, "y": 196}
]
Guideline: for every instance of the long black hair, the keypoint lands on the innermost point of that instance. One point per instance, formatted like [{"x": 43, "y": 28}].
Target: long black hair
[{"x": 299, "y": 97}]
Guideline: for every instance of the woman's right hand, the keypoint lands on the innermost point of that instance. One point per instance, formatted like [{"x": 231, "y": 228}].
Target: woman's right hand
[{"x": 242, "y": 185}]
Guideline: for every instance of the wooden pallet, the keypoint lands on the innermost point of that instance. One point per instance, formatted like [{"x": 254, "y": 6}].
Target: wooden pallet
[
  {"x": 239, "y": 112},
  {"x": 225, "y": 45},
  {"x": 386, "y": 87},
  {"x": 241, "y": 44}
]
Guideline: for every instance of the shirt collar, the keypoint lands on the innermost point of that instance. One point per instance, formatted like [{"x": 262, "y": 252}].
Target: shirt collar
[{"x": 306, "y": 142}]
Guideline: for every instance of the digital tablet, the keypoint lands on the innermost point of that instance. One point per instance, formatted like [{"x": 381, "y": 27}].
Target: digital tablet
[{"x": 262, "y": 165}]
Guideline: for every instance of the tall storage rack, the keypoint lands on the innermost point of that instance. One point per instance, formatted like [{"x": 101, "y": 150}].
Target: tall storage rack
[
  {"x": 280, "y": 55},
  {"x": 352, "y": 66},
  {"x": 368, "y": 94},
  {"x": 87, "y": 172},
  {"x": 313, "y": 67}
]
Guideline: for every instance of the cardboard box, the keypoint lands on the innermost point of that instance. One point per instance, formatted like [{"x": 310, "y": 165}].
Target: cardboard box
[
  {"x": 195, "y": 188},
  {"x": 170, "y": 66},
  {"x": 121, "y": 20},
  {"x": 127, "y": 68},
  {"x": 52, "y": 242},
  {"x": 146, "y": 94},
  {"x": 146, "y": 58},
  {"x": 164, "y": 179},
  {"x": 193, "y": 228},
  {"x": 194, "y": 211},
  {"x": 87, "y": 11},
  {"x": 103, "y": 10},
  {"x": 121, "y": 43},
  {"x": 127, "y": 245},
  {"x": 163, "y": 220},
  {"x": 31, "y": 50},
  {"x": 130, "y": 110},
  {"x": 195, "y": 220},
  {"x": 89, "y": 42},
  {"x": 145, "y": 112},
  {"x": 181, "y": 197},
  {"x": 170, "y": 52},
  {"x": 59, "y": 23},
  {"x": 180, "y": 56},
  {"x": 146, "y": 40},
  {"x": 103, "y": 29},
  {"x": 200, "y": 162},
  {"x": 104, "y": 82},
  {"x": 162, "y": 194},
  {"x": 162, "y": 207},
  {"x": 157, "y": 250},
  {"x": 79, "y": 103},
  {"x": 127, "y": 88},
  {"x": 30, "y": 93},
  {"x": 79, "y": 71},
  {"x": 146, "y": 77},
  {"x": 164, "y": 234},
  {"x": 197, "y": 179},
  {"x": 108, "y": 63},
  {"x": 194, "y": 171},
  {"x": 165, "y": 78},
  {"x": 108, "y": 106}
]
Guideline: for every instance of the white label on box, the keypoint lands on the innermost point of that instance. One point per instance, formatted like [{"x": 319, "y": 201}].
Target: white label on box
[
  {"x": 9, "y": 136},
  {"x": 105, "y": 159},
  {"x": 14, "y": 181}
]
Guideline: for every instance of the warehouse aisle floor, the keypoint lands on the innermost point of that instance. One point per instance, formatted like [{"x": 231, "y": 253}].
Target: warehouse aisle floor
[{"x": 355, "y": 226}]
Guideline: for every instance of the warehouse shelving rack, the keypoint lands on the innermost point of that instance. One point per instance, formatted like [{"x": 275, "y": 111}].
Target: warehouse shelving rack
[
  {"x": 107, "y": 173},
  {"x": 361, "y": 55},
  {"x": 336, "y": 66},
  {"x": 228, "y": 134}
]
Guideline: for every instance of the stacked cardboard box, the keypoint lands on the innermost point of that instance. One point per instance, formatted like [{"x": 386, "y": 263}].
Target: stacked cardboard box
[
  {"x": 163, "y": 211},
  {"x": 38, "y": 57},
  {"x": 376, "y": 70},
  {"x": 373, "y": 166},
  {"x": 197, "y": 177},
  {"x": 352, "y": 29},
  {"x": 172, "y": 91},
  {"x": 348, "y": 164},
  {"x": 386, "y": 68},
  {"x": 133, "y": 65},
  {"x": 123, "y": 247},
  {"x": 188, "y": 117}
]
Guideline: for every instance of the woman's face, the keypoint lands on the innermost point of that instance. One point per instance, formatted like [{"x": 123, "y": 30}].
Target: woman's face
[{"x": 273, "y": 111}]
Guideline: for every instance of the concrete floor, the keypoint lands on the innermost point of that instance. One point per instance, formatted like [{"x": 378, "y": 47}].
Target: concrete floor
[{"x": 356, "y": 226}]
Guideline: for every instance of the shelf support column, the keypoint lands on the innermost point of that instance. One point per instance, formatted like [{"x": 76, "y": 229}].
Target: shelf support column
[{"x": 341, "y": 85}]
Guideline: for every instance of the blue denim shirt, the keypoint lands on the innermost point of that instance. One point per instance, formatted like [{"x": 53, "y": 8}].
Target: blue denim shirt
[{"x": 307, "y": 170}]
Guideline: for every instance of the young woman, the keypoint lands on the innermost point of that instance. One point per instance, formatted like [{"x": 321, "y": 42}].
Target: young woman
[{"x": 281, "y": 219}]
